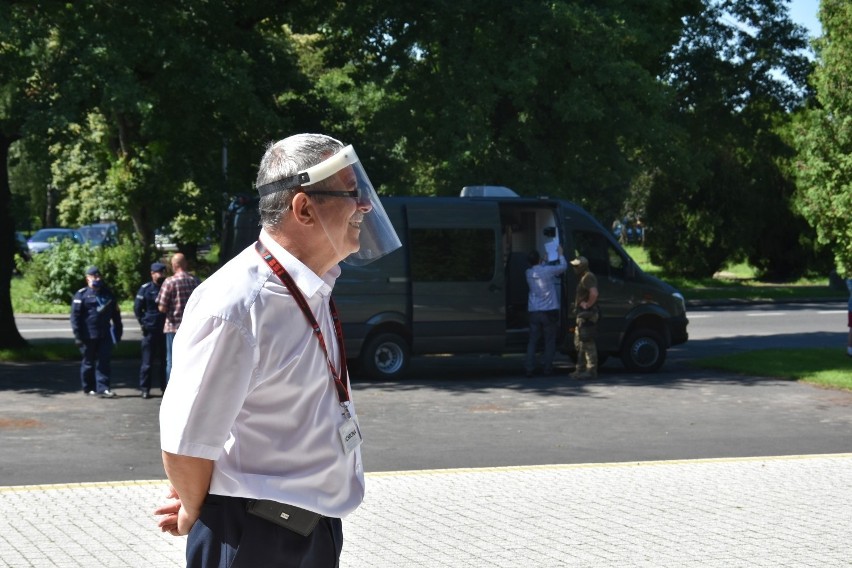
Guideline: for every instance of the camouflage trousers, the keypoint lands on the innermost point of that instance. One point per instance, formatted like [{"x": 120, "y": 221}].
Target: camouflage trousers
[{"x": 587, "y": 355}]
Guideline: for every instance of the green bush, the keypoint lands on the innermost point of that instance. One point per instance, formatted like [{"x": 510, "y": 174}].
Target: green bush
[
  {"x": 56, "y": 274},
  {"x": 124, "y": 267}
]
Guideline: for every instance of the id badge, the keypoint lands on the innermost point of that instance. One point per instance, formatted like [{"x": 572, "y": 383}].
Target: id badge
[{"x": 350, "y": 434}]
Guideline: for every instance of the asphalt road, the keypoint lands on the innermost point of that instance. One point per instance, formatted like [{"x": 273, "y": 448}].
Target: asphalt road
[{"x": 474, "y": 411}]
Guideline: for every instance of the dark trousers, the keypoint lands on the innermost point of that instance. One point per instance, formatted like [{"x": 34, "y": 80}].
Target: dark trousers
[
  {"x": 542, "y": 324},
  {"x": 153, "y": 360},
  {"x": 227, "y": 536},
  {"x": 95, "y": 367}
]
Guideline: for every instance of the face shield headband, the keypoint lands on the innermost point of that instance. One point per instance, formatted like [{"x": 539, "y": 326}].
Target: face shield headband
[{"x": 377, "y": 236}]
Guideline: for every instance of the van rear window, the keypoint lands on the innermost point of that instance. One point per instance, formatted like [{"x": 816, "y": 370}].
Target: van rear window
[{"x": 452, "y": 255}]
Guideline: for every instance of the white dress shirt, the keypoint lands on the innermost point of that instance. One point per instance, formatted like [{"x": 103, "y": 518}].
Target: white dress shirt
[{"x": 251, "y": 389}]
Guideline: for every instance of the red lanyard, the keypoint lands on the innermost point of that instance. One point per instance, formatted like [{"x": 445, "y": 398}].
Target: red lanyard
[{"x": 342, "y": 391}]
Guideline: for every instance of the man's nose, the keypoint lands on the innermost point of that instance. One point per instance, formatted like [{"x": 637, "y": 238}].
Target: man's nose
[{"x": 364, "y": 205}]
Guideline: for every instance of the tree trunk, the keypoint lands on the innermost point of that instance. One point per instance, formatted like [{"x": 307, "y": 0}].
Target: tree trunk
[{"x": 10, "y": 337}]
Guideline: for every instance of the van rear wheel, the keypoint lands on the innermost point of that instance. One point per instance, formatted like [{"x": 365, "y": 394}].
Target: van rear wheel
[
  {"x": 644, "y": 351},
  {"x": 385, "y": 356}
]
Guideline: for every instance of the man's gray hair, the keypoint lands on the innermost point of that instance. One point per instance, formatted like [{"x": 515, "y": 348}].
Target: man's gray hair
[{"x": 286, "y": 158}]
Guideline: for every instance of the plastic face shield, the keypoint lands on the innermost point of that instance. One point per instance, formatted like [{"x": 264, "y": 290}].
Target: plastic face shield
[{"x": 345, "y": 178}]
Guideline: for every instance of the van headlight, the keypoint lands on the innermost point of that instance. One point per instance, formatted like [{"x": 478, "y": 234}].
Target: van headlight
[{"x": 679, "y": 297}]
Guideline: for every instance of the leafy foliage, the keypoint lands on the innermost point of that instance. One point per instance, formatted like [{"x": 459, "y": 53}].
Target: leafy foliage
[
  {"x": 155, "y": 96},
  {"x": 148, "y": 113},
  {"x": 545, "y": 97},
  {"x": 56, "y": 274},
  {"x": 824, "y": 138},
  {"x": 126, "y": 265},
  {"x": 738, "y": 70}
]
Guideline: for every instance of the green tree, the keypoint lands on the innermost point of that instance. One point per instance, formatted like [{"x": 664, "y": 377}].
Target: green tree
[
  {"x": 137, "y": 102},
  {"x": 739, "y": 69},
  {"x": 22, "y": 37},
  {"x": 823, "y": 138},
  {"x": 165, "y": 88},
  {"x": 546, "y": 97}
]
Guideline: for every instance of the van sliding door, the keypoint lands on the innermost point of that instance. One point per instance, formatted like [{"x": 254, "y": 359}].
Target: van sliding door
[{"x": 458, "y": 292}]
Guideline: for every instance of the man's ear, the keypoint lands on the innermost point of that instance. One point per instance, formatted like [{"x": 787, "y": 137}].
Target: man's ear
[{"x": 303, "y": 209}]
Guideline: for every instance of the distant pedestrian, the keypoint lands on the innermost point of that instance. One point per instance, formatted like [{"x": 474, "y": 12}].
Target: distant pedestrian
[
  {"x": 151, "y": 320},
  {"x": 543, "y": 309},
  {"x": 96, "y": 323},
  {"x": 172, "y": 300}
]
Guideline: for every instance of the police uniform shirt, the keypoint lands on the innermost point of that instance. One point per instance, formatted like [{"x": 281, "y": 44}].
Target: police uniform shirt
[
  {"x": 250, "y": 388},
  {"x": 146, "y": 309},
  {"x": 87, "y": 322}
]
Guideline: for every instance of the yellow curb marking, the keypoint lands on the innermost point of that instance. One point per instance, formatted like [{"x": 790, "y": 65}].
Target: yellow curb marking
[{"x": 413, "y": 473}]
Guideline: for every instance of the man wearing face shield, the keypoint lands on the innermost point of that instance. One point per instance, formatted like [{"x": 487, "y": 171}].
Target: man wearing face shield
[{"x": 259, "y": 434}]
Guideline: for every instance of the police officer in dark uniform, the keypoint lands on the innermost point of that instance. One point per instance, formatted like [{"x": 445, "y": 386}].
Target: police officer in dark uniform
[
  {"x": 151, "y": 320},
  {"x": 96, "y": 323}
]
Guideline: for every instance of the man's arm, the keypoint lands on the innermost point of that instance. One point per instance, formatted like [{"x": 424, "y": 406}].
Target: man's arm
[
  {"x": 593, "y": 298},
  {"x": 139, "y": 304},
  {"x": 118, "y": 327},
  {"x": 190, "y": 479},
  {"x": 163, "y": 296}
]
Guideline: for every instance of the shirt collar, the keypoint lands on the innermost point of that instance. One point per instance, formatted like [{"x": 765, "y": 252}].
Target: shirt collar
[{"x": 305, "y": 278}]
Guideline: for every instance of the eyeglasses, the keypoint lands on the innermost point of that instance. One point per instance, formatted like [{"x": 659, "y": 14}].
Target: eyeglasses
[{"x": 352, "y": 193}]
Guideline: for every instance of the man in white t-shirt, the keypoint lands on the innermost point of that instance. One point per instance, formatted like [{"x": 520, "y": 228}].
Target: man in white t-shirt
[{"x": 259, "y": 434}]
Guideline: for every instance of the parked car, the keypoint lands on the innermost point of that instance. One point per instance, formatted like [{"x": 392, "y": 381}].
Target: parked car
[
  {"x": 21, "y": 247},
  {"x": 100, "y": 234},
  {"x": 164, "y": 241},
  {"x": 44, "y": 239}
]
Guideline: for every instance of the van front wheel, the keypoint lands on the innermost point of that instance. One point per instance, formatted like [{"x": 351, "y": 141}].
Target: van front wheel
[
  {"x": 644, "y": 351},
  {"x": 385, "y": 356}
]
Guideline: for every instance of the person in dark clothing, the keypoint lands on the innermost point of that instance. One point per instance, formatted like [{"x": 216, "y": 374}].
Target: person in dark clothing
[
  {"x": 151, "y": 320},
  {"x": 96, "y": 323}
]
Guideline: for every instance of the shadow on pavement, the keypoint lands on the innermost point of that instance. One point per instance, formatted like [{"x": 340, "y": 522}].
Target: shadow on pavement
[
  {"x": 482, "y": 372},
  {"x": 55, "y": 378},
  {"x": 472, "y": 373}
]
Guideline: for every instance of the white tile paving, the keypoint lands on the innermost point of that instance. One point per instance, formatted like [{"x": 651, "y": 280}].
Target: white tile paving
[{"x": 758, "y": 512}]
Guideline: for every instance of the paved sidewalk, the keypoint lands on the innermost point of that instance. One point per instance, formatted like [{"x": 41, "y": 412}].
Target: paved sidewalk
[{"x": 752, "y": 512}]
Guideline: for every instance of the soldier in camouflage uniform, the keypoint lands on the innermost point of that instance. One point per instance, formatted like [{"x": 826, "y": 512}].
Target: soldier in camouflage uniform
[{"x": 586, "y": 306}]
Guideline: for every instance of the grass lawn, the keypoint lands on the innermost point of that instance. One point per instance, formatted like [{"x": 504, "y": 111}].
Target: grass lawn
[
  {"x": 738, "y": 282},
  {"x": 824, "y": 367}
]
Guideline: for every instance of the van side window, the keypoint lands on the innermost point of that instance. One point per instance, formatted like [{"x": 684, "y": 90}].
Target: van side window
[
  {"x": 452, "y": 255},
  {"x": 604, "y": 259}
]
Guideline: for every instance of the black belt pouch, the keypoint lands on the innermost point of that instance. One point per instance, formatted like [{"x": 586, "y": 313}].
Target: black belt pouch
[{"x": 300, "y": 521}]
